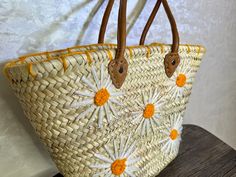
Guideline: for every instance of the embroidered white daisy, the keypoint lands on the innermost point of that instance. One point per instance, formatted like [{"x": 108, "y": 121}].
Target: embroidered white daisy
[
  {"x": 118, "y": 160},
  {"x": 149, "y": 112},
  {"x": 100, "y": 97},
  {"x": 178, "y": 83},
  {"x": 173, "y": 135}
]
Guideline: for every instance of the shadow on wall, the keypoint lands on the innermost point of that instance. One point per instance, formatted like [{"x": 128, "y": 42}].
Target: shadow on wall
[
  {"x": 85, "y": 29},
  {"x": 42, "y": 35}
]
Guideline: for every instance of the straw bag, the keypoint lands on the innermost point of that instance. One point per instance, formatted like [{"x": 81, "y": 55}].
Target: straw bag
[{"x": 105, "y": 109}]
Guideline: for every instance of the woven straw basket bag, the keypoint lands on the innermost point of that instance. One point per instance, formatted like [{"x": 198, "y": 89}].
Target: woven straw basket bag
[{"x": 106, "y": 109}]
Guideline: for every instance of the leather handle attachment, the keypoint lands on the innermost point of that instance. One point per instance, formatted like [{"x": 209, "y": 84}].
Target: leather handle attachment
[
  {"x": 118, "y": 67},
  {"x": 172, "y": 59}
]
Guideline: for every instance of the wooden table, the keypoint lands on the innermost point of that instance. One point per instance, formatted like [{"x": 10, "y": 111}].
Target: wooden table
[{"x": 201, "y": 155}]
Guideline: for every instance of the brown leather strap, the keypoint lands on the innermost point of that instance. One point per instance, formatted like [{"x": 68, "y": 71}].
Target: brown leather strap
[
  {"x": 121, "y": 40},
  {"x": 105, "y": 21},
  {"x": 106, "y": 17},
  {"x": 175, "y": 33},
  {"x": 172, "y": 60},
  {"x": 118, "y": 67},
  {"x": 149, "y": 22}
]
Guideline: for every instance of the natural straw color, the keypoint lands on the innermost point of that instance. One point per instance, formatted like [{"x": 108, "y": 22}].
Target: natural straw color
[{"x": 46, "y": 85}]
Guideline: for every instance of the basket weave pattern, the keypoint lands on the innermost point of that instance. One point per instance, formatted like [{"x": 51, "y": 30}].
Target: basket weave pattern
[{"x": 46, "y": 85}]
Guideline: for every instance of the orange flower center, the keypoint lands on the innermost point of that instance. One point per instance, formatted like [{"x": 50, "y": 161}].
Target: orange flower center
[
  {"x": 181, "y": 80},
  {"x": 101, "y": 97},
  {"x": 149, "y": 111},
  {"x": 118, "y": 166},
  {"x": 174, "y": 134}
]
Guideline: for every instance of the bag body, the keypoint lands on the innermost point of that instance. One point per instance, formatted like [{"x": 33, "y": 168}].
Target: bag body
[
  {"x": 92, "y": 128},
  {"x": 54, "y": 101}
]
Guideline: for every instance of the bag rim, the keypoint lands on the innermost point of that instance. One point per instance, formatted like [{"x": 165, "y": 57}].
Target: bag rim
[{"x": 22, "y": 68}]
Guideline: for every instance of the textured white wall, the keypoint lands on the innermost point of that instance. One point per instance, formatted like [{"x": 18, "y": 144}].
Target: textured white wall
[{"x": 35, "y": 25}]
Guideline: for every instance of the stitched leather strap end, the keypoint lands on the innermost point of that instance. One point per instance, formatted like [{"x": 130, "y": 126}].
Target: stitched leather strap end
[
  {"x": 171, "y": 62},
  {"x": 118, "y": 71}
]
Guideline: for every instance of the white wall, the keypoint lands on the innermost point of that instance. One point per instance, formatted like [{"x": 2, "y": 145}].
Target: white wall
[{"x": 35, "y": 25}]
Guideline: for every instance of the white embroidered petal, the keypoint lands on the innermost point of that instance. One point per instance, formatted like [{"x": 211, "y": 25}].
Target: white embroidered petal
[
  {"x": 133, "y": 168},
  {"x": 116, "y": 94},
  {"x": 122, "y": 143},
  {"x": 137, "y": 113},
  {"x": 175, "y": 90},
  {"x": 109, "y": 174},
  {"x": 107, "y": 114},
  {"x": 100, "y": 116},
  {"x": 85, "y": 112},
  {"x": 108, "y": 85},
  {"x": 148, "y": 126},
  {"x": 167, "y": 132},
  {"x": 122, "y": 153},
  {"x": 88, "y": 83},
  {"x": 108, "y": 81},
  {"x": 130, "y": 150},
  {"x": 112, "y": 109},
  {"x": 144, "y": 127},
  {"x": 141, "y": 105},
  {"x": 109, "y": 152},
  {"x": 100, "y": 166},
  {"x": 115, "y": 150},
  {"x": 164, "y": 140},
  {"x": 165, "y": 146},
  {"x": 144, "y": 99},
  {"x": 155, "y": 120},
  {"x": 93, "y": 116},
  {"x": 140, "y": 126},
  {"x": 171, "y": 142},
  {"x": 100, "y": 95},
  {"x": 169, "y": 147},
  {"x": 148, "y": 113},
  {"x": 150, "y": 96},
  {"x": 102, "y": 74},
  {"x": 95, "y": 77},
  {"x": 103, "y": 158},
  {"x": 158, "y": 105},
  {"x": 137, "y": 118},
  {"x": 156, "y": 117},
  {"x": 113, "y": 100},
  {"x": 85, "y": 93},
  {"x": 126, "y": 145},
  {"x": 132, "y": 161},
  {"x": 82, "y": 103},
  {"x": 152, "y": 126},
  {"x": 102, "y": 173}
]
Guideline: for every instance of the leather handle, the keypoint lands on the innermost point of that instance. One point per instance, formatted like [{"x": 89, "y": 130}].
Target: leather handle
[
  {"x": 118, "y": 67},
  {"x": 172, "y": 59},
  {"x": 149, "y": 22},
  {"x": 105, "y": 21}
]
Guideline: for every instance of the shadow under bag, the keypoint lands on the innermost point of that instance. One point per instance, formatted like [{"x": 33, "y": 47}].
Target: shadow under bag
[{"x": 106, "y": 109}]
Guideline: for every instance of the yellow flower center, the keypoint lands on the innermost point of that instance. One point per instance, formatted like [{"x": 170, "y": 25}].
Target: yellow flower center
[
  {"x": 181, "y": 80},
  {"x": 149, "y": 111},
  {"x": 118, "y": 166},
  {"x": 174, "y": 134},
  {"x": 101, "y": 97}
]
